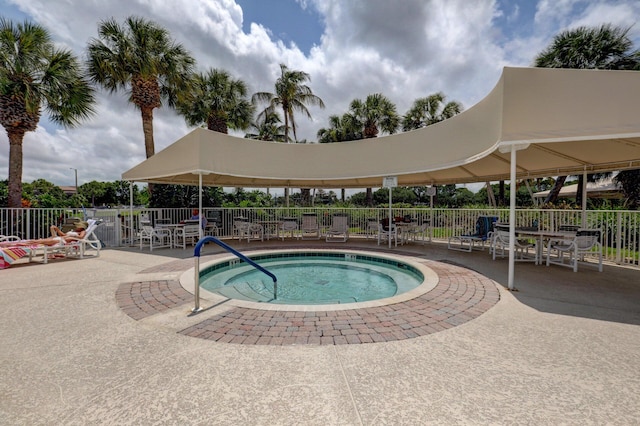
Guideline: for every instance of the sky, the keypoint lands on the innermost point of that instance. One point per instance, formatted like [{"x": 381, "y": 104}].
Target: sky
[{"x": 404, "y": 49}]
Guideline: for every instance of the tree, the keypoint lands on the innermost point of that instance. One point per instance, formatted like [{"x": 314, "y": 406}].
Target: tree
[
  {"x": 140, "y": 59},
  {"x": 376, "y": 113},
  {"x": 217, "y": 100},
  {"x": 629, "y": 180},
  {"x": 268, "y": 129},
  {"x": 345, "y": 128},
  {"x": 605, "y": 47},
  {"x": 429, "y": 110},
  {"x": 34, "y": 74},
  {"x": 291, "y": 95}
]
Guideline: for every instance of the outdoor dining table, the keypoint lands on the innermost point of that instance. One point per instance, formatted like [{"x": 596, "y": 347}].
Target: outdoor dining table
[{"x": 541, "y": 236}]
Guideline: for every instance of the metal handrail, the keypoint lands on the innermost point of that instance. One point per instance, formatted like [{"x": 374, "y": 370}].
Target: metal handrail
[{"x": 196, "y": 254}]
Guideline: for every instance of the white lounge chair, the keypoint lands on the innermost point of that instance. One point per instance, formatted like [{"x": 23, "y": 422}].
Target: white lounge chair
[
  {"x": 339, "y": 230},
  {"x": 290, "y": 225},
  {"x": 310, "y": 228}
]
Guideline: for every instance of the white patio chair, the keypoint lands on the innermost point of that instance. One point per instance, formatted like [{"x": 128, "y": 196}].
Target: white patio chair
[
  {"x": 574, "y": 250},
  {"x": 372, "y": 228},
  {"x": 523, "y": 247},
  {"x": 310, "y": 228},
  {"x": 155, "y": 237},
  {"x": 190, "y": 232},
  {"x": 384, "y": 233},
  {"x": 290, "y": 225},
  {"x": 339, "y": 230}
]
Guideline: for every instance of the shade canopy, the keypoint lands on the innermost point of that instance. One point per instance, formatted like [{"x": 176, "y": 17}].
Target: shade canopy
[{"x": 562, "y": 121}]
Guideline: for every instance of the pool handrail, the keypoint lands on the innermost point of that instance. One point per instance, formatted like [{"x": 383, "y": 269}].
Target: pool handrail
[{"x": 196, "y": 254}]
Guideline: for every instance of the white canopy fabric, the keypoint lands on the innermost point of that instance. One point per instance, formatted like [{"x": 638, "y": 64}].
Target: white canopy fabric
[
  {"x": 562, "y": 121},
  {"x": 536, "y": 122}
]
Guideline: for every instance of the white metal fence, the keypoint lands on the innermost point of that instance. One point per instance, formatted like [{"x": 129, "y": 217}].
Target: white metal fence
[{"x": 620, "y": 228}]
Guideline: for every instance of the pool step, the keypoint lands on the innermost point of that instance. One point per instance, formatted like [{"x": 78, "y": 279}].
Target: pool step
[{"x": 243, "y": 292}]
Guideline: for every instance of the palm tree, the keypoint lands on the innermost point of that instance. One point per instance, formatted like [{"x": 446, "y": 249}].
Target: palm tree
[
  {"x": 429, "y": 110},
  {"x": 603, "y": 47},
  {"x": 141, "y": 59},
  {"x": 269, "y": 129},
  {"x": 345, "y": 128},
  {"x": 218, "y": 100},
  {"x": 291, "y": 95},
  {"x": 34, "y": 74},
  {"x": 376, "y": 113}
]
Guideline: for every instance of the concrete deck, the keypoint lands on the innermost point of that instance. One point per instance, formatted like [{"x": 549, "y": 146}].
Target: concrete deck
[{"x": 563, "y": 349}]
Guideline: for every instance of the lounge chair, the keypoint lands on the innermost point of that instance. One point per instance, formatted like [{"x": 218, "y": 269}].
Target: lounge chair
[
  {"x": 339, "y": 230},
  {"x": 290, "y": 225},
  {"x": 474, "y": 240},
  {"x": 574, "y": 250},
  {"x": 310, "y": 228},
  {"x": 72, "y": 249}
]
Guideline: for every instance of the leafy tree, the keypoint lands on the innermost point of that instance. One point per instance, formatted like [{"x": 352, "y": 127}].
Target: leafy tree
[
  {"x": 345, "y": 128},
  {"x": 291, "y": 95},
  {"x": 267, "y": 129},
  {"x": 605, "y": 47},
  {"x": 630, "y": 179},
  {"x": 44, "y": 194},
  {"x": 34, "y": 74},
  {"x": 140, "y": 58},
  {"x": 377, "y": 113},
  {"x": 217, "y": 100},
  {"x": 429, "y": 110}
]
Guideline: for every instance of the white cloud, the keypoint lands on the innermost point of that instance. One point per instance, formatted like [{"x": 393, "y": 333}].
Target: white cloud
[{"x": 404, "y": 50}]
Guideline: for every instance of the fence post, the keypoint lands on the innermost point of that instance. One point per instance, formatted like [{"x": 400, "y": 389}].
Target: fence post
[{"x": 618, "y": 237}]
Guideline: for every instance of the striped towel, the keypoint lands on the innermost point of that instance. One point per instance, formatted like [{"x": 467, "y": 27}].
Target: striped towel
[{"x": 8, "y": 255}]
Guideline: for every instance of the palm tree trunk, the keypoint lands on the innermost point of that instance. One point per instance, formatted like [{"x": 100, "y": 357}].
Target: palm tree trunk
[
  {"x": 15, "y": 167},
  {"x": 555, "y": 191},
  {"x": 147, "y": 128},
  {"x": 149, "y": 146},
  {"x": 369, "y": 197}
]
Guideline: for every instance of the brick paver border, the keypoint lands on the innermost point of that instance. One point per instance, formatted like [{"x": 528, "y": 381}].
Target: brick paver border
[{"x": 460, "y": 296}]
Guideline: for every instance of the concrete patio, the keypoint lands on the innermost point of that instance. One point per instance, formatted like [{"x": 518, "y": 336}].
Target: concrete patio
[{"x": 563, "y": 349}]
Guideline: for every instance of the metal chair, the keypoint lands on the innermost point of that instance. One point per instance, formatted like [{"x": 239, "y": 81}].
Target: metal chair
[{"x": 574, "y": 250}]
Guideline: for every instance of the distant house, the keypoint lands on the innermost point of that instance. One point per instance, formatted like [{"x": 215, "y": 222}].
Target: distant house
[
  {"x": 605, "y": 188},
  {"x": 68, "y": 190}
]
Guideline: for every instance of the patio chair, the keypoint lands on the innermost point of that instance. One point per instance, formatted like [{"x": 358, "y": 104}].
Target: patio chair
[
  {"x": 155, "y": 237},
  {"x": 416, "y": 232},
  {"x": 310, "y": 228},
  {"x": 189, "y": 232},
  {"x": 574, "y": 250},
  {"x": 523, "y": 247},
  {"x": 387, "y": 231},
  {"x": 371, "y": 229},
  {"x": 339, "y": 230},
  {"x": 474, "y": 240},
  {"x": 290, "y": 225}
]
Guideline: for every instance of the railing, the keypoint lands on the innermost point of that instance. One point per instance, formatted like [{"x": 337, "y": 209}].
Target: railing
[
  {"x": 620, "y": 228},
  {"x": 196, "y": 254}
]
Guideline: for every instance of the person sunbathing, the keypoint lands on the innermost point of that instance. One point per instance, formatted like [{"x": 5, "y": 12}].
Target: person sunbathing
[{"x": 58, "y": 238}]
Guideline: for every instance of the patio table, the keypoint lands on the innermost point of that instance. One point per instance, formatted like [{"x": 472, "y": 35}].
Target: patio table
[{"x": 541, "y": 236}]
